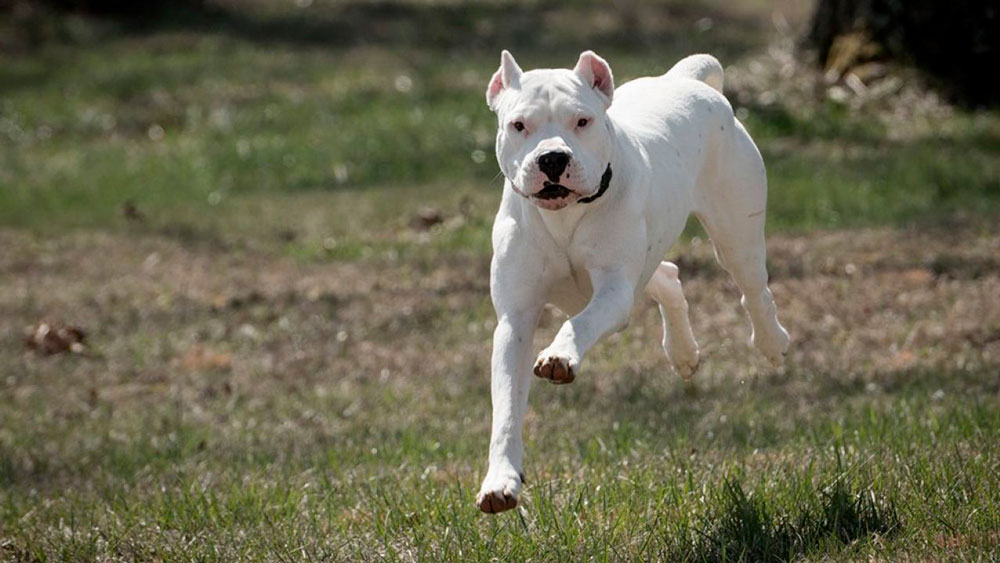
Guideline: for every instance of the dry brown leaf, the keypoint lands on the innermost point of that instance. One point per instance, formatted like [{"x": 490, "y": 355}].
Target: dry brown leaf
[
  {"x": 54, "y": 338},
  {"x": 425, "y": 218},
  {"x": 131, "y": 212}
]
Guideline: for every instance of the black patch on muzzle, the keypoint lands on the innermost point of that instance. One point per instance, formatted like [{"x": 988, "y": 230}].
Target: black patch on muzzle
[{"x": 553, "y": 191}]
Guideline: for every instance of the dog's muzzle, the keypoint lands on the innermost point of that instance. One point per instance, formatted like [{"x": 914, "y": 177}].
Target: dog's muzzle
[{"x": 555, "y": 191}]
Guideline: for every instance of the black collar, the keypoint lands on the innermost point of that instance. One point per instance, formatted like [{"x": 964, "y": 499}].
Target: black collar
[{"x": 605, "y": 182}]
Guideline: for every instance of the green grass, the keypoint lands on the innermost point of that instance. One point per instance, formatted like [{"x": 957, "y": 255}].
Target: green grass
[
  {"x": 179, "y": 121},
  {"x": 281, "y": 365},
  {"x": 745, "y": 528},
  {"x": 706, "y": 476}
]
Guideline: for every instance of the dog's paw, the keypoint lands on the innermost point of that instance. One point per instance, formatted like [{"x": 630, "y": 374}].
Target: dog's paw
[
  {"x": 499, "y": 491},
  {"x": 686, "y": 364},
  {"x": 558, "y": 369},
  {"x": 773, "y": 343},
  {"x": 684, "y": 356}
]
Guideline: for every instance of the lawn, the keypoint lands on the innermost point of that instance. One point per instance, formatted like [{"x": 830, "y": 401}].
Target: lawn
[{"x": 273, "y": 227}]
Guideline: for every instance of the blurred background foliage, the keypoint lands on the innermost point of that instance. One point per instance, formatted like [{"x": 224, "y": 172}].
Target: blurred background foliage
[{"x": 182, "y": 110}]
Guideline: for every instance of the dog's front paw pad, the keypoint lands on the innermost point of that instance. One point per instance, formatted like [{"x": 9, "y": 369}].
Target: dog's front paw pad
[
  {"x": 498, "y": 495},
  {"x": 557, "y": 369}
]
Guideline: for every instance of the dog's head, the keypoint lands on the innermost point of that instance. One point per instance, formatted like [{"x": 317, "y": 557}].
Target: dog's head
[{"x": 554, "y": 140}]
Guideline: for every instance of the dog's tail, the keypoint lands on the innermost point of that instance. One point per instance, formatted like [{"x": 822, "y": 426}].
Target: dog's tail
[{"x": 700, "y": 67}]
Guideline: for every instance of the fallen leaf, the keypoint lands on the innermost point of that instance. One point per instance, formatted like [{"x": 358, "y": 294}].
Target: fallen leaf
[
  {"x": 131, "y": 212},
  {"x": 54, "y": 338},
  {"x": 426, "y": 218}
]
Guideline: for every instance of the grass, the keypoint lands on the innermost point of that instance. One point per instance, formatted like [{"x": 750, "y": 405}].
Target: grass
[
  {"x": 284, "y": 363},
  {"x": 340, "y": 410},
  {"x": 745, "y": 528},
  {"x": 184, "y": 121}
]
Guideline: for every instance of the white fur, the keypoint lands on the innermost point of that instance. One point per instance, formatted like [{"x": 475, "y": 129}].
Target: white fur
[{"x": 674, "y": 148}]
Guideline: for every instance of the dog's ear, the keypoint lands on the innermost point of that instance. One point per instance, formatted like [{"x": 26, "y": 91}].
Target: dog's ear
[
  {"x": 507, "y": 76},
  {"x": 594, "y": 71}
]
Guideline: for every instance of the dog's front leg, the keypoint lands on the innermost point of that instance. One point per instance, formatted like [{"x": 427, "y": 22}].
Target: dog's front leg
[
  {"x": 510, "y": 382},
  {"x": 607, "y": 312}
]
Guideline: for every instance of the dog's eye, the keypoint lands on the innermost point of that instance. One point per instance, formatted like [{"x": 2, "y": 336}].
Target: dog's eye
[
  {"x": 518, "y": 126},
  {"x": 582, "y": 122}
]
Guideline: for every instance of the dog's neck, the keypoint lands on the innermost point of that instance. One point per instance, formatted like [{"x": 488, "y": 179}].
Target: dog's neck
[{"x": 605, "y": 184}]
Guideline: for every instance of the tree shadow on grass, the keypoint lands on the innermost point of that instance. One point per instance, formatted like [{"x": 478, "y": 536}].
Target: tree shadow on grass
[{"x": 746, "y": 527}]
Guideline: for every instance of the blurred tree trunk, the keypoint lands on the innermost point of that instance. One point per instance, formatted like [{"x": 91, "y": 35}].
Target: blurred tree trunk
[{"x": 955, "y": 42}]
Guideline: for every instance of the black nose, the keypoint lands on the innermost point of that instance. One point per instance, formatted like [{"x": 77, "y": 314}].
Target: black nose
[{"x": 552, "y": 164}]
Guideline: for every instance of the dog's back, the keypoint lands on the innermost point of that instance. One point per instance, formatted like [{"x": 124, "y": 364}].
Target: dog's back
[{"x": 650, "y": 102}]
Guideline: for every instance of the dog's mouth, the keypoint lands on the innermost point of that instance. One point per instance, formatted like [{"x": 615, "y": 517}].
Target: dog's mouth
[{"x": 552, "y": 191}]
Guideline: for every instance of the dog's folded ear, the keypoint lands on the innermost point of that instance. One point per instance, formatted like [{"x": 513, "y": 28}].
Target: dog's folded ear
[
  {"x": 507, "y": 76},
  {"x": 596, "y": 72}
]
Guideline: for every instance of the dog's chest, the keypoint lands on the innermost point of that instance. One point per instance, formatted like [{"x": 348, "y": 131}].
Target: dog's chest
[
  {"x": 566, "y": 274},
  {"x": 562, "y": 225},
  {"x": 571, "y": 291}
]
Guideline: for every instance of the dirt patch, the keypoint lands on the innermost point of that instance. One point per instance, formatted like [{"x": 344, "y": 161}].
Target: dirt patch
[{"x": 858, "y": 304}]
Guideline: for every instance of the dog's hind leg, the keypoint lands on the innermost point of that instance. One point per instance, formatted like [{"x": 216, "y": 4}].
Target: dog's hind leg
[
  {"x": 732, "y": 208},
  {"x": 678, "y": 341}
]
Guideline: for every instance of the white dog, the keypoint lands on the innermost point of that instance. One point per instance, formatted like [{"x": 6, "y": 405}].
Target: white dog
[{"x": 595, "y": 194}]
